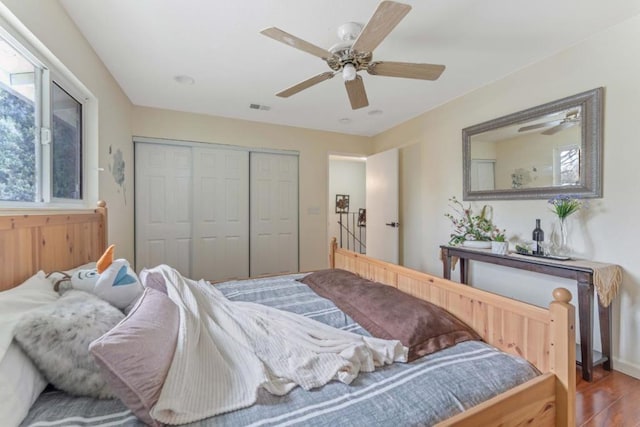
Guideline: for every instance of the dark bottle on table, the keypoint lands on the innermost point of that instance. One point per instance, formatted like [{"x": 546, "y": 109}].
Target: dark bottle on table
[{"x": 538, "y": 237}]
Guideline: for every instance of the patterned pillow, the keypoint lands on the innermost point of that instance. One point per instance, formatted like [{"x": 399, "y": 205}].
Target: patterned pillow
[{"x": 57, "y": 337}]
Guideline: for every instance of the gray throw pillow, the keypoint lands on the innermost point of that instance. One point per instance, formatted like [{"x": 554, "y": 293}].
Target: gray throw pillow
[{"x": 57, "y": 337}]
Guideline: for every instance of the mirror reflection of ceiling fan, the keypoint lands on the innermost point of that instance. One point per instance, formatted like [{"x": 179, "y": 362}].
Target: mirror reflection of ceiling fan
[
  {"x": 570, "y": 119},
  {"x": 355, "y": 53}
]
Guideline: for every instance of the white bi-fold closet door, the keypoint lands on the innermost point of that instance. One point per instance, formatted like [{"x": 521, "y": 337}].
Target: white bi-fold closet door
[{"x": 201, "y": 209}]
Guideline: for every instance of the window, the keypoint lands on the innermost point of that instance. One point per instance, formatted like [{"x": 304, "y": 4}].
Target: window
[
  {"x": 66, "y": 145},
  {"x": 41, "y": 132},
  {"x": 18, "y": 154},
  {"x": 566, "y": 165}
]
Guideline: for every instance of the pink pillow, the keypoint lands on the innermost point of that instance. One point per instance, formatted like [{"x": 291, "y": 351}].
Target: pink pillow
[{"x": 134, "y": 357}]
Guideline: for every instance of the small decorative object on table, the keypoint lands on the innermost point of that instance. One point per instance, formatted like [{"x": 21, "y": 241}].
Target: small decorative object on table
[
  {"x": 470, "y": 229},
  {"x": 563, "y": 206},
  {"x": 538, "y": 238},
  {"x": 499, "y": 244}
]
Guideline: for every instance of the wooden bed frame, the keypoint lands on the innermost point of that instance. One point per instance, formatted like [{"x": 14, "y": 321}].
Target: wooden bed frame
[
  {"x": 58, "y": 241},
  {"x": 545, "y": 337}
]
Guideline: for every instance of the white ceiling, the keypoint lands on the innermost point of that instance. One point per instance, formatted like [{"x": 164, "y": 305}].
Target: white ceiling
[{"x": 145, "y": 43}]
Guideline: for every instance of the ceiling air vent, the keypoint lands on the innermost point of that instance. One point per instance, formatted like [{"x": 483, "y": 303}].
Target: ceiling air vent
[{"x": 259, "y": 107}]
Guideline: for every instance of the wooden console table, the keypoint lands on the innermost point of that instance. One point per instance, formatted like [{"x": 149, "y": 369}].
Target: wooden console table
[{"x": 583, "y": 275}]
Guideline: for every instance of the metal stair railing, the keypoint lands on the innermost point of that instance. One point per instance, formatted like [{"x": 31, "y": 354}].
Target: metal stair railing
[{"x": 348, "y": 232}]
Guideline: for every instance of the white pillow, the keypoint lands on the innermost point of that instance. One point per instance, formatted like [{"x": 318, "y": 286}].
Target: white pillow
[
  {"x": 20, "y": 385},
  {"x": 33, "y": 293},
  {"x": 20, "y": 380}
]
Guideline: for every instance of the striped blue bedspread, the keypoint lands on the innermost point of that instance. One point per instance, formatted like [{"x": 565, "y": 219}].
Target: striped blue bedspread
[{"x": 420, "y": 393}]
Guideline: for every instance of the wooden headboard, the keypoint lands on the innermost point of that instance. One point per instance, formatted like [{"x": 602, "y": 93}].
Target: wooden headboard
[{"x": 49, "y": 242}]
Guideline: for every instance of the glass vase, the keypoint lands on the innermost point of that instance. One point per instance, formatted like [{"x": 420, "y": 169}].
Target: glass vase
[{"x": 562, "y": 248}]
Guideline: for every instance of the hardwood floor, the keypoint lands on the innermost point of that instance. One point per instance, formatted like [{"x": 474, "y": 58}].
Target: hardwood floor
[{"x": 612, "y": 399}]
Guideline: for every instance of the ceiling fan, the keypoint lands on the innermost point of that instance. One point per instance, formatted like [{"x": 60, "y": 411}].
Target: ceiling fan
[
  {"x": 571, "y": 118},
  {"x": 355, "y": 53}
]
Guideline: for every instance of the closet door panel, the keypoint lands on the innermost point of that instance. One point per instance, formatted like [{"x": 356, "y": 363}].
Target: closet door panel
[
  {"x": 163, "y": 206},
  {"x": 274, "y": 213},
  {"x": 221, "y": 213},
  {"x": 216, "y": 213}
]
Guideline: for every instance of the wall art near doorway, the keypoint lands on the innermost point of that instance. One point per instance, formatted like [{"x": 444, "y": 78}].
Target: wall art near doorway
[{"x": 342, "y": 203}]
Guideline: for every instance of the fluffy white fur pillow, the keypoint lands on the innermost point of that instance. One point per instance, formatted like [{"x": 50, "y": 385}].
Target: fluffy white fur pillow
[{"x": 57, "y": 338}]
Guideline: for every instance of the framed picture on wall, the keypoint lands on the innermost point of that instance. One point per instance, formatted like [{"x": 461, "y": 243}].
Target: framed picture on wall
[
  {"x": 362, "y": 217},
  {"x": 342, "y": 203}
]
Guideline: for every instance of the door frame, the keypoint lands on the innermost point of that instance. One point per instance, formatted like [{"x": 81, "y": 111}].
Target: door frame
[{"x": 330, "y": 199}]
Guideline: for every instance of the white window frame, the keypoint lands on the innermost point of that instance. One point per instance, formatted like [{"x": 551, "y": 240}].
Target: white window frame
[
  {"x": 51, "y": 69},
  {"x": 80, "y": 97}
]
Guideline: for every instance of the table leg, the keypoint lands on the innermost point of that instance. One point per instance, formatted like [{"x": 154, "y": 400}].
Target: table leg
[
  {"x": 446, "y": 264},
  {"x": 604, "y": 314},
  {"x": 464, "y": 271},
  {"x": 585, "y": 314}
]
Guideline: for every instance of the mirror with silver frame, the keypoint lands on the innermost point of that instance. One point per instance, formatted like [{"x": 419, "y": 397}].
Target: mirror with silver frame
[{"x": 538, "y": 153}]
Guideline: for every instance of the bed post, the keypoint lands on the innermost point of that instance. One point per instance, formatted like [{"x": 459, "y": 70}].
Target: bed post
[
  {"x": 332, "y": 252},
  {"x": 563, "y": 356},
  {"x": 104, "y": 235}
]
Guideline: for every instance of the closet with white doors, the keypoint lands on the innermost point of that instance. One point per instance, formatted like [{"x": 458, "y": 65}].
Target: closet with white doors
[{"x": 215, "y": 211}]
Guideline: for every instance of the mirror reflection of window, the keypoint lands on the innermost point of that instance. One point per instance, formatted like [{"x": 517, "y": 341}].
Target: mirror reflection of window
[{"x": 566, "y": 165}]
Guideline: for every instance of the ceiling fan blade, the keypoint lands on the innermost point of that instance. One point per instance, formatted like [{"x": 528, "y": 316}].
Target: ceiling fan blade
[
  {"x": 573, "y": 114},
  {"x": 540, "y": 125},
  {"x": 407, "y": 70},
  {"x": 305, "y": 84},
  {"x": 561, "y": 126},
  {"x": 356, "y": 92},
  {"x": 298, "y": 43},
  {"x": 384, "y": 20}
]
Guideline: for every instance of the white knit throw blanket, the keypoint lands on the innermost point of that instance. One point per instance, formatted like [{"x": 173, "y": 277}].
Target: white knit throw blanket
[{"x": 227, "y": 350}]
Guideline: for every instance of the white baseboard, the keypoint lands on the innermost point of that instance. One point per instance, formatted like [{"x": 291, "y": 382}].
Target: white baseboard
[{"x": 626, "y": 367}]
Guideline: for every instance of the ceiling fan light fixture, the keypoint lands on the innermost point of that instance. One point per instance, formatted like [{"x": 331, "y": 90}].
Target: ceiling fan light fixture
[{"x": 348, "y": 72}]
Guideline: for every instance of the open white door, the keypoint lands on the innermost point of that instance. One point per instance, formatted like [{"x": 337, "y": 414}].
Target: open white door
[{"x": 382, "y": 206}]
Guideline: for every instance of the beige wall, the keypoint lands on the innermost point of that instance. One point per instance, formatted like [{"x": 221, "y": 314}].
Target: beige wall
[
  {"x": 314, "y": 148},
  {"x": 607, "y": 231},
  {"x": 50, "y": 24}
]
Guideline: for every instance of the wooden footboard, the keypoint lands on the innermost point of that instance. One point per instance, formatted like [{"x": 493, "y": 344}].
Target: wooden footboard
[{"x": 545, "y": 337}]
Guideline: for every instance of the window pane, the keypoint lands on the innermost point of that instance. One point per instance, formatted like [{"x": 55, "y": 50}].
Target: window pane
[
  {"x": 66, "y": 145},
  {"x": 570, "y": 166},
  {"x": 17, "y": 126}
]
